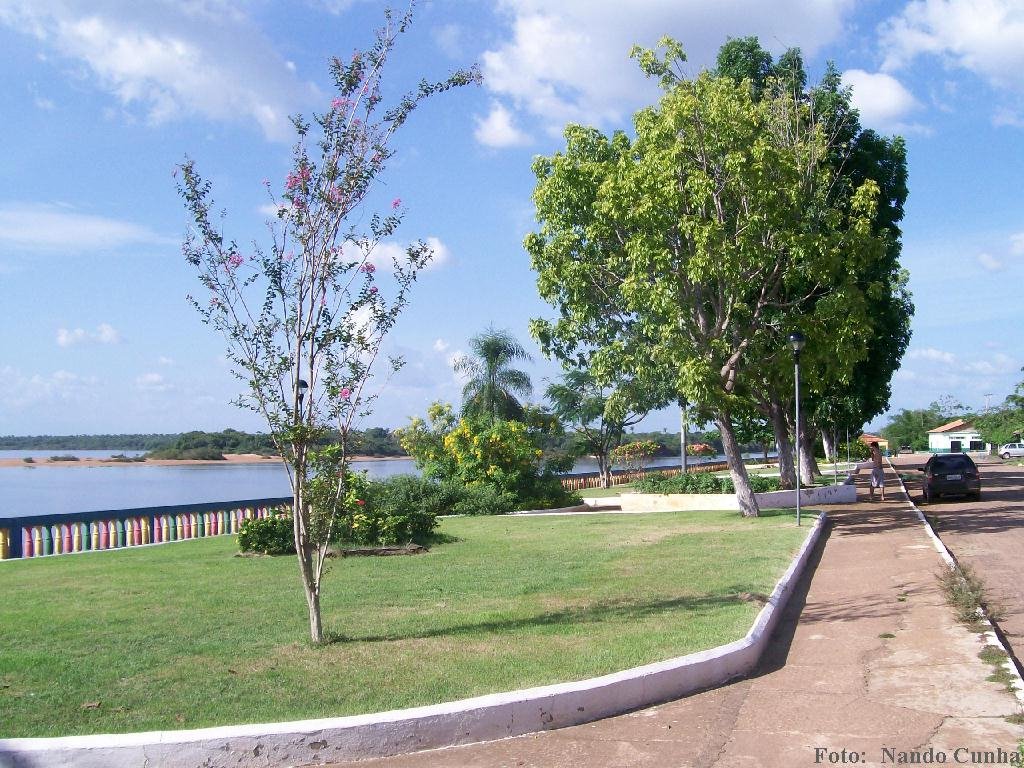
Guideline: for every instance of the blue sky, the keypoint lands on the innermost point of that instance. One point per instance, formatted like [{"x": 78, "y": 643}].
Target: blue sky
[{"x": 102, "y": 99}]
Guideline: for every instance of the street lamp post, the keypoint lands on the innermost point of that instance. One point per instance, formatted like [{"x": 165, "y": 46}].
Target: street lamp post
[
  {"x": 796, "y": 343},
  {"x": 302, "y": 386}
]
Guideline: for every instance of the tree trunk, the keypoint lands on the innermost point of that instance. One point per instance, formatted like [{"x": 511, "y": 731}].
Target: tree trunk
[
  {"x": 304, "y": 550},
  {"x": 682, "y": 436},
  {"x": 604, "y": 469},
  {"x": 738, "y": 470},
  {"x": 828, "y": 442},
  {"x": 780, "y": 425},
  {"x": 808, "y": 464}
]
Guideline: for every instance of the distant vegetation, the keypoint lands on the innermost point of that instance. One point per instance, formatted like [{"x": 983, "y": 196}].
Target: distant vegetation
[
  {"x": 376, "y": 441},
  {"x": 135, "y": 442}
]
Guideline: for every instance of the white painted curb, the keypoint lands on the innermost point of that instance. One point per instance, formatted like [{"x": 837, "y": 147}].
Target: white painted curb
[
  {"x": 990, "y": 637},
  {"x": 384, "y": 734}
]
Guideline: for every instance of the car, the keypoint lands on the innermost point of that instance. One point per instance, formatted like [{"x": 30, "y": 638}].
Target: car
[
  {"x": 950, "y": 474},
  {"x": 906, "y": 449},
  {"x": 1011, "y": 449}
]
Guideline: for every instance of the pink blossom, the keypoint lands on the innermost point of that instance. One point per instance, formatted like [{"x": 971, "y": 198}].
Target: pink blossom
[
  {"x": 373, "y": 289},
  {"x": 345, "y": 393},
  {"x": 368, "y": 268},
  {"x": 360, "y": 502},
  {"x": 337, "y": 103},
  {"x": 396, "y": 203},
  {"x": 235, "y": 260},
  {"x": 335, "y": 194}
]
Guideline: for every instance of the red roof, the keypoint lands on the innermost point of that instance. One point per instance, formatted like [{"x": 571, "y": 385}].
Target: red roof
[{"x": 958, "y": 425}]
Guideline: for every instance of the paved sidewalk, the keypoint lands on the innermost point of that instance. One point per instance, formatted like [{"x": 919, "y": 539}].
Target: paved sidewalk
[{"x": 868, "y": 665}]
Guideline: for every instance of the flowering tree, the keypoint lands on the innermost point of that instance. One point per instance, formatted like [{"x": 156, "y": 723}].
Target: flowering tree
[
  {"x": 634, "y": 456},
  {"x": 305, "y": 315}
]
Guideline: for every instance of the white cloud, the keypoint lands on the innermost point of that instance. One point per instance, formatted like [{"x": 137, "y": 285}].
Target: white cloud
[
  {"x": 152, "y": 382},
  {"x": 104, "y": 334},
  {"x": 440, "y": 345},
  {"x": 881, "y": 99},
  {"x": 985, "y": 37},
  {"x": 930, "y": 353},
  {"x": 999, "y": 364},
  {"x": 386, "y": 253},
  {"x": 171, "y": 59},
  {"x": 163, "y": 360},
  {"x": 41, "y": 227},
  {"x": 459, "y": 377},
  {"x": 18, "y": 390},
  {"x": 990, "y": 262},
  {"x": 450, "y": 38},
  {"x": 1017, "y": 244},
  {"x": 441, "y": 253},
  {"x": 1006, "y": 117},
  {"x": 497, "y": 130},
  {"x": 568, "y": 61}
]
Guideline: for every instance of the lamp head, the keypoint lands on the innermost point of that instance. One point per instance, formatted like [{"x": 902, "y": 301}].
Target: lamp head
[
  {"x": 796, "y": 342},
  {"x": 302, "y": 386}
]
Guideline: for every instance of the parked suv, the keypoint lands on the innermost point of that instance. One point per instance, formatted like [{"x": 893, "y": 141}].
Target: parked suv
[
  {"x": 1011, "y": 449},
  {"x": 950, "y": 474}
]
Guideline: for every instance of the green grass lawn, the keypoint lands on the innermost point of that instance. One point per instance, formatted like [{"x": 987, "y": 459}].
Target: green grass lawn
[{"x": 186, "y": 635}]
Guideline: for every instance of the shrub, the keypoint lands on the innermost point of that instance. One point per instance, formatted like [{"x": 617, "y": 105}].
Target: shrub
[
  {"x": 398, "y": 510},
  {"x": 480, "y": 499},
  {"x": 505, "y": 456},
  {"x": 29, "y": 460},
  {"x": 270, "y": 535},
  {"x": 63, "y": 458},
  {"x": 702, "y": 482}
]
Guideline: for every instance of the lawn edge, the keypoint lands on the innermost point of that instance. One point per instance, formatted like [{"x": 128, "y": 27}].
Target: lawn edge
[{"x": 385, "y": 734}]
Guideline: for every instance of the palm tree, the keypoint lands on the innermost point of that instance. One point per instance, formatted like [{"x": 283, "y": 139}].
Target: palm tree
[{"x": 493, "y": 385}]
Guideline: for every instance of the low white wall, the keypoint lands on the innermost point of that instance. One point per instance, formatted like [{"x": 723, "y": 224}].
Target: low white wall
[
  {"x": 483, "y": 718},
  {"x": 845, "y": 493}
]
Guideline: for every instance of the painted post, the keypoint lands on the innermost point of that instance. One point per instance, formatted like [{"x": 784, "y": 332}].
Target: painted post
[
  {"x": 26, "y": 543},
  {"x": 5, "y": 544}
]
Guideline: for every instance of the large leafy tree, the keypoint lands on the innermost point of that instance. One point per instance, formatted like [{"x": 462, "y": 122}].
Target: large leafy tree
[
  {"x": 838, "y": 397},
  {"x": 493, "y": 383},
  {"x": 680, "y": 256},
  {"x": 304, "y": 315}
]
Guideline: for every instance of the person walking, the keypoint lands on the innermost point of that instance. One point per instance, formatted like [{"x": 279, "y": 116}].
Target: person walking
[{"x": 877, "y": 471}]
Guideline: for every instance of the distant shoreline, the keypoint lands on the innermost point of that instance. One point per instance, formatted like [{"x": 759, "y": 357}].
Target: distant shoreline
[{"x": 229, "y": 458}]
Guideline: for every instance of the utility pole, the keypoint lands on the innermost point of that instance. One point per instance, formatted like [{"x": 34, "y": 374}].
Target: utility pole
[{"x": 987, "y": 396}]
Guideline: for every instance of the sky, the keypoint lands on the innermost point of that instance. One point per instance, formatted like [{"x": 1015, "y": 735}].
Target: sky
[{"x": 102, "y": 99}]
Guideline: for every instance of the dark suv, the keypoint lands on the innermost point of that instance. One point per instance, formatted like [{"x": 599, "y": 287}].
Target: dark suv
[{"x": 950, "y": 474}]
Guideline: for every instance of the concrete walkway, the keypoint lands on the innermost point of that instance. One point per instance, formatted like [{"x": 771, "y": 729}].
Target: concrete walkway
[{"x": 867, "y": 667}]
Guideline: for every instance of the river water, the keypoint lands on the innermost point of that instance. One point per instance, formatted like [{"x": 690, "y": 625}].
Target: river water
[{"x": 35, "y": 490}]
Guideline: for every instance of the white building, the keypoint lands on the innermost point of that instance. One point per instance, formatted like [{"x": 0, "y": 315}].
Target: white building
[{"x": 956, "y": 437}]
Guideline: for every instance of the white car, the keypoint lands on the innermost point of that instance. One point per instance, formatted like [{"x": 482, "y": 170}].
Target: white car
[{"x": 1011, "y": 449}]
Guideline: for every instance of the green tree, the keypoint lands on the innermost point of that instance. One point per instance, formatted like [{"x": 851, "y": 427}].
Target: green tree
[
  {"x": 493, "y": 382},
  {"x": 302, "y": 315},
  {"x": 836, "y": 396},
  {"x": 910, "y": 427},
  {"x": 1004, "y": 424},
  {"x": 599, "y": 415},
  {"x": 669, "y": 257}
]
